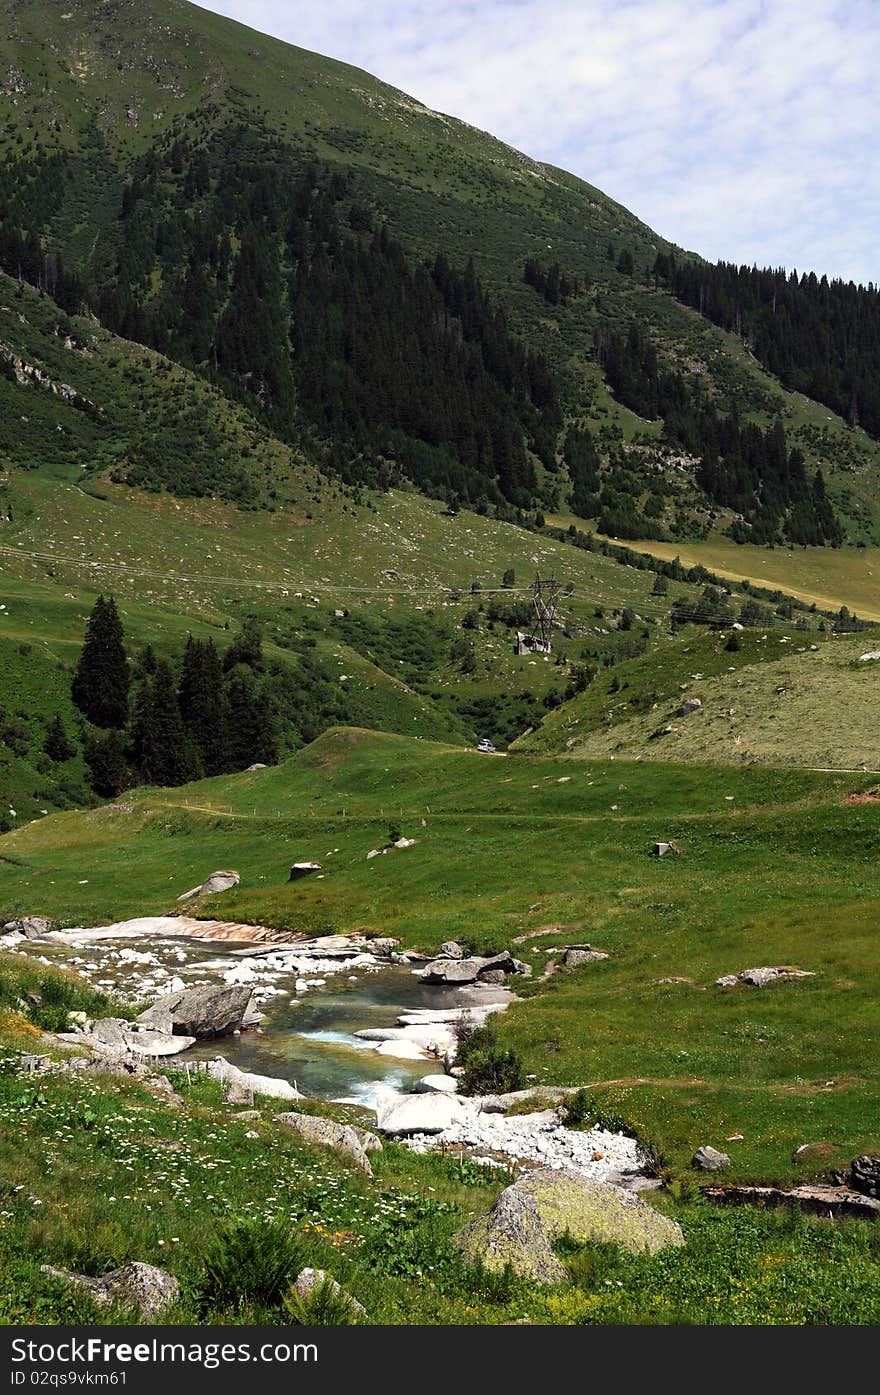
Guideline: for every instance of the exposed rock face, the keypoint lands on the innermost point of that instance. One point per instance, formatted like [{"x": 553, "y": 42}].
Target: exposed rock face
[
  {"x": 303, "y": 869},
  {"x": 33, "y": 927},
  {"x": 212, "y": 1011},
  {"x": 474, "y": 968},
  {"x": 548, "y": 1203},
  {"x": 760, "y": 977},
  {"x": 709, "y": 1159},
  {"x": 864, "y": 1175},
  {"x": 343, "y": 1137},
  {"x": 575, "y": 955},
  {"x": 450, "y": 949},
  {"x": 218, "y": 881},
  {"x": 224, "y": 1071},
  {"x": 309, "y": 1279},
  {"x": 114, "y": 1037},
  {"x": 134, "y": 1285}
]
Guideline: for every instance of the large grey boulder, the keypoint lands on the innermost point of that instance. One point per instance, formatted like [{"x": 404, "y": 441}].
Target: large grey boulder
[
  {"x": 218, "y": 881},
  {"x": 328, "y": 1134},
  {"x": 451, "y": 949},
  {"x": 228, "y": 1074},
  {"x": 689, "y": 705},
  {"x": 709, "y": 1159},
  {"x": 115, "y": 1037},
  {"x": 864, "y": 1174},
  {"x": 548, "y": 1203},
  {"x": 424, "y": 1113},
  {"x": 474, "y": 968},
  {"x": 762, "y": 976},
  {"x": 436, "y": 1085},
  {"x": 211, "y": 1011},
  {"x": 33, "y": 927},
  {"x": 150, "y": 1290}
]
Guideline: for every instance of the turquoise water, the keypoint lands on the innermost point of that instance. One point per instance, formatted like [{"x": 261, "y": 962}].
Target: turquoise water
[{"x": 310, "y": 1041}]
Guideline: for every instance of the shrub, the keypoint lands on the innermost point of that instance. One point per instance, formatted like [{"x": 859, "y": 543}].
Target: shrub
[
  {"x": 249, "y": 1263},
  {"x": 488, "y": 1067},
  {"x": 323, "y": 1306}
]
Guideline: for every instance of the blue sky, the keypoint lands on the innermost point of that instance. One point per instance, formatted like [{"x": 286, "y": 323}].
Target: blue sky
[{"x": 742, "y": 129}]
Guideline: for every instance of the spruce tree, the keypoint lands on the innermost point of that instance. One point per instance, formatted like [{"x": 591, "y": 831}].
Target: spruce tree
[
  {"x": 203, "y": 704},
  {"x": 108, "y": 768},
  {"x": 57, "y": 745},
  {"x": 161, "y": 747},
  {"x": 252, "y": 728},
  {"x": 101, "y": 681}
]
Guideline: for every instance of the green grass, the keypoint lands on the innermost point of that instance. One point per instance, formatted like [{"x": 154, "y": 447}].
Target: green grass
[{"x": 776, "y": 868}]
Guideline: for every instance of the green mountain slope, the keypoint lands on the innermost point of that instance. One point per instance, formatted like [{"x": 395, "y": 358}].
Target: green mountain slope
[{"x": 92, "y": 91}]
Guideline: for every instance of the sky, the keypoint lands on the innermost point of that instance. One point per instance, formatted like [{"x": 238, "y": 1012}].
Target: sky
[{"x": 741, "y": 129}]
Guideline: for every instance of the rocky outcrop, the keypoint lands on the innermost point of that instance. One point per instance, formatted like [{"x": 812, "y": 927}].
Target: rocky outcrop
[
  {"x": 864, "y": 1174},
  {"x": 218, "y": 881},
  {"x": 344, "y": 1138},
  {"x": 488, "y": 968},
  {"x": 760, "y": 977},
  {"x": 149, "y": 1290},
  {"x": 541, "y": 1207},
  {"x": 688, "y": 706},
  {"x": 576, "y": 955},
  {"x": 33, "y": 927},
  {"x": 114, "y": 1037},
  {"x": 212, "y": 1011}
]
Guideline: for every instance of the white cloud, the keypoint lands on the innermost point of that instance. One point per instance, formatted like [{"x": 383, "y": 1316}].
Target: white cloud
[{"x": 743, "y": 129}]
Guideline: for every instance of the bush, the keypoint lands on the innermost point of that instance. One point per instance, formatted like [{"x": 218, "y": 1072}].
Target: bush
[
  {"x": 488, "y": 1068},
  {"x": 249, "y": 1263},
  {"x": 323, "y": 1306}
]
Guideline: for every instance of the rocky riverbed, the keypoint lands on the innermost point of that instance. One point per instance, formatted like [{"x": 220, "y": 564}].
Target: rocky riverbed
[{"x": 403, "y": 1067}]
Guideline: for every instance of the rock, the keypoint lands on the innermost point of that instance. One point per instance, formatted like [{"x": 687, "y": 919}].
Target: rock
[
  {"x": 134, "y": 1285},
  {"x": 474, "y": 968},
  {"x": 309, "y": 1279},
  {"x": 235, "y": 1092},
  {"x": 218, "y": 881},
  {"x": 689, "y": 705},
  {"x": 402, "y": 1050},
  {"x": 864, "y": 1175},
  {"x": 303, "y": 869},
  {"x": 384, "y": 946},
  {"x": 450, "y": 949},
  {"x": 816, "y": 1198},
  {"x": 33, "y": 927},
  {"x": 423, "y": 1113},
  {"x": 148, "y": 1043},
  {"x": 257, "y": 765},
  {"x": 871, "y": 656},
  {"x": 760, "y": 977},
  {"x": 435, "y": 1084},
  {"x": 708, "y": 1159},
  {"x": 405, "y": 843},
  {"x": 224, "y": 1071},
  {"x": 212, "y": 1011},
  {"x": 548, "y": 1203},
  {"x": 813, "y": 1152},
  {"x": 328, "y": 1134},
  {"x": 661, "y": 849},
  {"x": 575, "y": 955}
]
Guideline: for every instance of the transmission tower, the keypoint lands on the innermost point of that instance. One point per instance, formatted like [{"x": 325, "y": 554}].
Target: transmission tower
[{"x": 545, "y": 599}]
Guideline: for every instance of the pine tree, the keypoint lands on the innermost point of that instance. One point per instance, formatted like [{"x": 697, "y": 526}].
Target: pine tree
[
  {"x": 100, "y": 684},
  {"x": 161, "y": 747},
  {"x": 252, "y": 733},
  {"x": 57, "y": 745},
  {"x": 246, "y": 648}
]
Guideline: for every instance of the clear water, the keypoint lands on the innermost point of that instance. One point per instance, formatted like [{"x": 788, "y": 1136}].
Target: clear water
[{"x": 310, "y": 1040}]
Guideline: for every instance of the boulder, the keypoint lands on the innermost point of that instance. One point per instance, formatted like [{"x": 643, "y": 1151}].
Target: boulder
[
  {"x": 709, "y": 1159},
  {"x": 224, "y": 1071},
  {"x": 212, "y": 1011},
  {"x": 150, "y": 1290},
  {"x": 33, "y": 927},
  {"x": 309, "y": 1279},
  {"x": 689, "y": 705},
  {"x": 864, "y": 1174},
  {"x": 328, "y": 1134},
  {"x": 548, "y": 1203},
  {"x": 450, "y": 949},
  {"x": 422, "y": 1113},
  {"x": 871, "y": 656},
  {"x": 435, "y": 1084},
  {"x": 473, "y": 968},
  {"x": 218, "y": 881},
  {"x": 662, "y": 848},
  {"x": 149, "y": 1043},
  {"x": 575, "y": 955},
  {"x": 303, "y": 869},
  {"x": 234, "y": 1092}
]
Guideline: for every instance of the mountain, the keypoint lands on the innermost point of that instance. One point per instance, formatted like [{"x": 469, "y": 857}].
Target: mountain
[{"x": 396, "y": 296}]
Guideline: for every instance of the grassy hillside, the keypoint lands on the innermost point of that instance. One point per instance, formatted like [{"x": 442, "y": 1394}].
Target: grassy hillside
[{"x": 778, "y": 699}]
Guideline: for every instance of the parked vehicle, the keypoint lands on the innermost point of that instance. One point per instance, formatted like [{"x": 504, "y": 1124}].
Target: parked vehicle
[{"x": 484, "y": 744}]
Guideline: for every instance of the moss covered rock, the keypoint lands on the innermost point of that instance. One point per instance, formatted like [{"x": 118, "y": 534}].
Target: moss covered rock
[{"x": 542, "y": 1207}]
